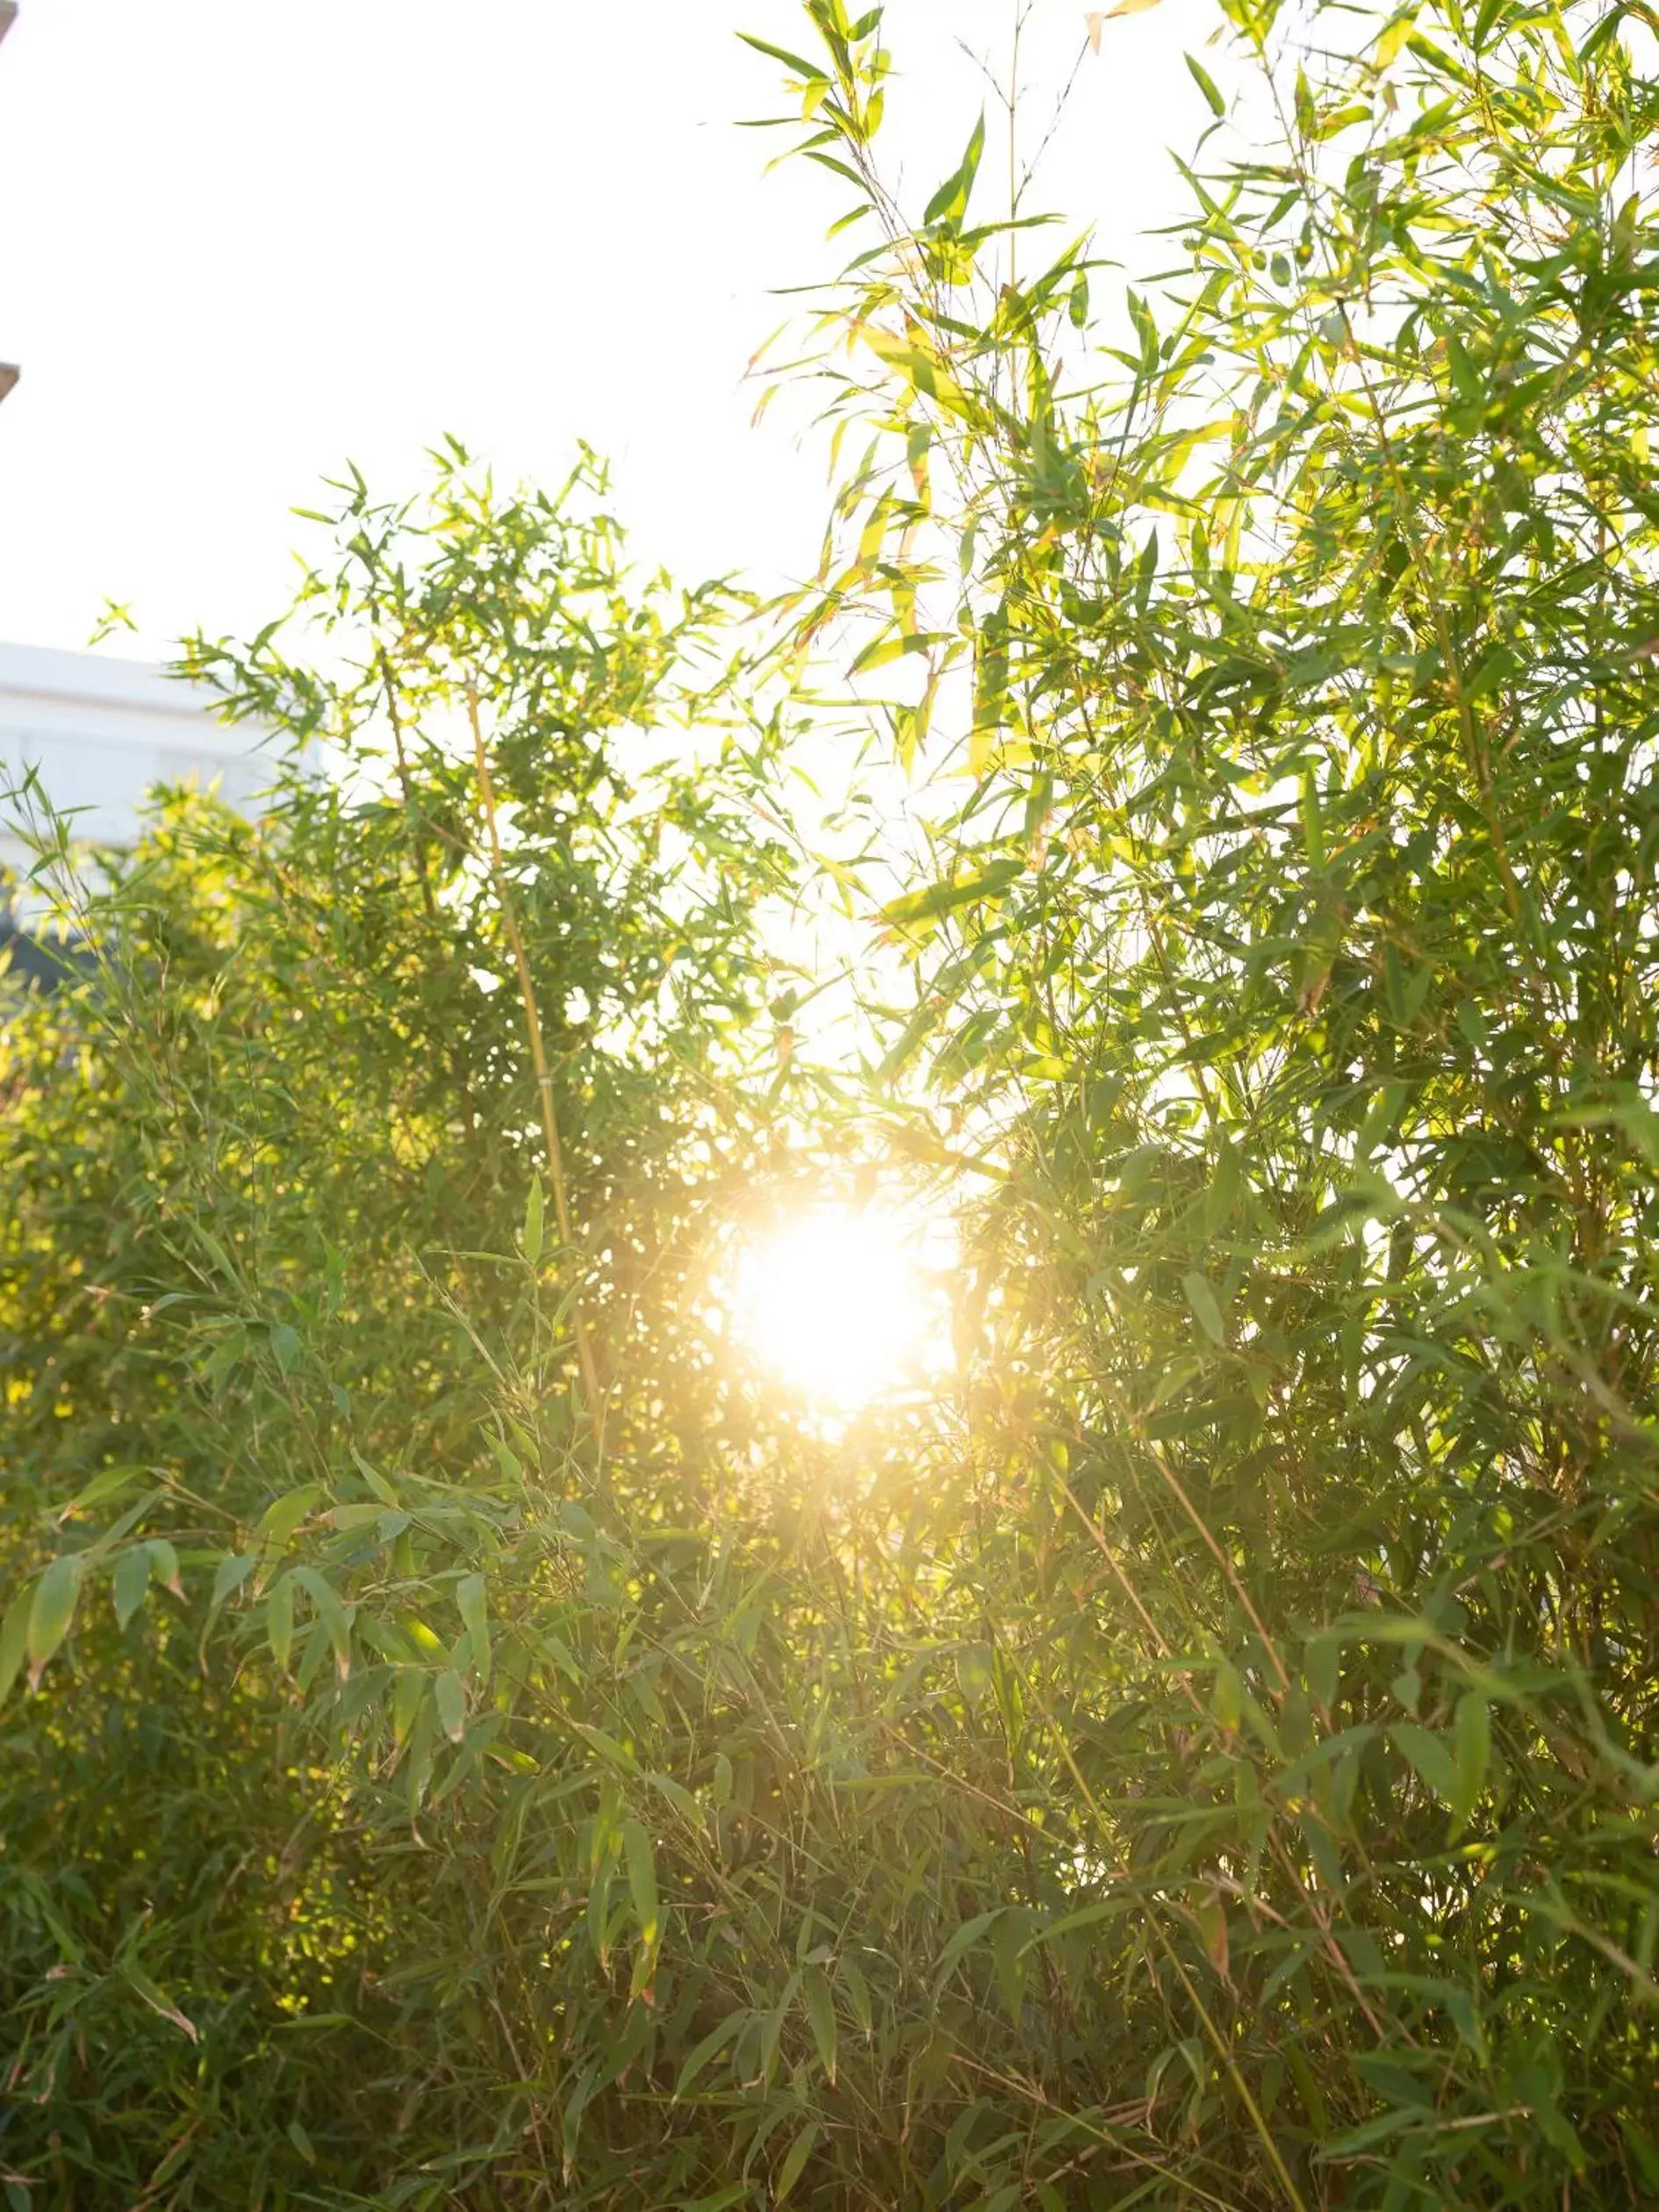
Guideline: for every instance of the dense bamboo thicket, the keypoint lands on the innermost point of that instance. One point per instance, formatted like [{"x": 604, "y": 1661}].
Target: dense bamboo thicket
[{"x": 468, "y": 1739}]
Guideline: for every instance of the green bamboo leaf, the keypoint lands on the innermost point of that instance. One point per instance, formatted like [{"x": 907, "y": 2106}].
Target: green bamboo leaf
[
  {"x": 939, "y": 898},
  {"x": 963, "y": 1940},
  {"x": 850, "y": 1976},
  {"x": 451, "y": 1701},
  {"x": 228, "y": 1578},
  {"x": 1472, "y": 1739},
  {"x": 51, "y": 1612},
  {"x": 641, "y": 1879},
  {"x": 531, "y": 1236},
  {"x": 14, "y": 1637},
  {"x": 1103, "y": 1909},
  {"x": 1206, "y": 1309},
  {"x": 164, "y": 1565},
  {"x": 332, "y": 1614},
  {"x": 1009, "y": 1959},
  {"x": 895, "y": 647},
  {"x": 407, "y": 1691},
  {"x": 281, "y": 1518},
  {"x": 949, "y": 204},
  {"x": 819, "y": 1999},
  {"x": 1431, "y": 1759},
  {"x": 1206, "y": 85},
  {"x": 279, "y": 1620},
  {"x": 108, "y": 1484},
  {"x": 377, "y": 1483},
  {"x": 471, "y": 1603},
  {"x": 794, "y": 2162},
  {"x": 130, "y": 1584},
  {"x": 802, "y": 69},
  {"x": 710, "y": 2047},
  {"x": 975, "y": 1674}
]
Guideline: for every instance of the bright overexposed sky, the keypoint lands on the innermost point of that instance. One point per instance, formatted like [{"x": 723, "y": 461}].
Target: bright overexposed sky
[{"x": 243, "y": 243}]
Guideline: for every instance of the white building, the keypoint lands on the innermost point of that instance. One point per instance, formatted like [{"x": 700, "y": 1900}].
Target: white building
[{"x": 102, "y": 733}]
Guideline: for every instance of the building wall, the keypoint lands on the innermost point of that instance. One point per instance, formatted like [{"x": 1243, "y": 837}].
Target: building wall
[{"x": 102, "y": 732}]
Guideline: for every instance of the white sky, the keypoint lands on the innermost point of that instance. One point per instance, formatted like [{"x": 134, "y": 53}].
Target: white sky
[{"x": 244, "y": 243}]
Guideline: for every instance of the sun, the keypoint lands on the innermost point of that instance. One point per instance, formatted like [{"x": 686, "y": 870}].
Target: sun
[{"x": 838, "y": 1305}]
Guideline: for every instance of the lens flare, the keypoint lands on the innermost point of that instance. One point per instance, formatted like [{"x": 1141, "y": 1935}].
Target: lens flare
[{"x": 835, "y": 1304}]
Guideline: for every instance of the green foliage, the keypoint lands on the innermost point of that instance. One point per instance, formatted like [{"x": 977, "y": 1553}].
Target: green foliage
[
  {"x": 462, "y": 1741},
  {"x": 1290, "y": 953}
]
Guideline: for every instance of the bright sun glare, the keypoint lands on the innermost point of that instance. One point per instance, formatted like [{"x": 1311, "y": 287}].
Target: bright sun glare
[{"x": 836, "y": 1305}]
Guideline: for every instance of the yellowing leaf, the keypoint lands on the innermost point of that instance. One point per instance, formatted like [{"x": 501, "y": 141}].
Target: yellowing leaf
[
  {"x": 1098, "y": 16},
  {"x": 1394, "y": 37},
  {"x": 940, "y": 898},
  {"x": 925, "y": 371},
  {"x": 158, "y": 2001}
]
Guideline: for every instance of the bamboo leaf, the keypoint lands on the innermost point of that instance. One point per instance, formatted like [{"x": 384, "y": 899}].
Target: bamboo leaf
[
  {"x": 795, "y": 2161},
  {"x": 130, "y": 1584},
  {"x": 819, "y": 1999},
  {"x": 451, "y": 1702},
  {"x": 1206, "y": 1309},
  {"x": 279, "y": 1619},
  {"x": 14, "y": 1635},
  {"x": 156, "y": 2000},
  {"x": 331, "y": 1612},
  {"x": 1431, "y": 1759},
  {"x": 641, "y": 1879},
  {"x": 51, "y": 1612},
  {"x": 470, "y": 1601}
]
